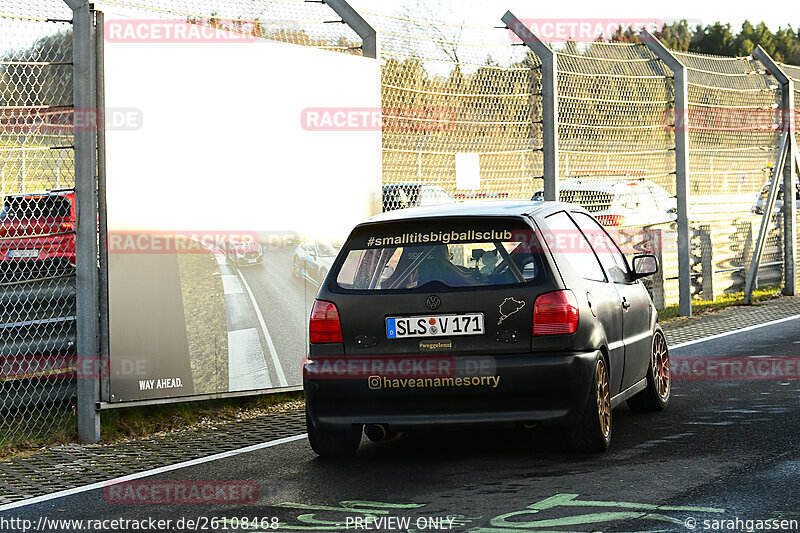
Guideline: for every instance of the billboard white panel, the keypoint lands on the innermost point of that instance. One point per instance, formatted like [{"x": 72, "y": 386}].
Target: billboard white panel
[{"x": 219, "y": 146}]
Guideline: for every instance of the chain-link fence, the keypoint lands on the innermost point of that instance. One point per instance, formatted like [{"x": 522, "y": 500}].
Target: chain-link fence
[
  {"x": 290, "y": 21},
  {"x": 37, "y": 220},
  {"x": 734, "y": 121},
  {"x": 616, "y": 147},
  {"x": 451, "y": 90}
]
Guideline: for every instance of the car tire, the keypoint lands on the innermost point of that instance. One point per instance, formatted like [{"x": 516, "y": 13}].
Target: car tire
[
  {"x": 592, "y": 434},
  {"x": 655, "y": 396},
  {"x": 337, "y": 443}
]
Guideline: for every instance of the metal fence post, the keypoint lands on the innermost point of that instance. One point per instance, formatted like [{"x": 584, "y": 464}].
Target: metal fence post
[
  {"x": 370, "y": 44},
  {"x": 780, "y": 162},
  {"x": 549, "y": 61},
  {"x": 789, "y": 200},
  {"x": 681, "y": 104},
  {"x": 84, "y": 92},
  {"x": 102, "y": 222}
]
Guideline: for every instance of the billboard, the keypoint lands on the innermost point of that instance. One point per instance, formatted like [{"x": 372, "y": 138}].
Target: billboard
[{"x": 224, "y": 210}]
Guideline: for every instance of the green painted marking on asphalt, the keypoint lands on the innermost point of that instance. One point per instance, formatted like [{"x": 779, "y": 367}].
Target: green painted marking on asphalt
[
  {"x": 511, "y": 522},
  {"x": 570, "y": 499}
]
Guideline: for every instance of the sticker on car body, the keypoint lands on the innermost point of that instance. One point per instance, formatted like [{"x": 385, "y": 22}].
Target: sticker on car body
[{"x": 509, "y": 307}]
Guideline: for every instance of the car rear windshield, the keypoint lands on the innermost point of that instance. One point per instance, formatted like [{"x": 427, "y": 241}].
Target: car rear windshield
[
  {"x": 409, "y": 258},
  {"x": 592, "y": 201},
  {"x": 35, "y": 206}
]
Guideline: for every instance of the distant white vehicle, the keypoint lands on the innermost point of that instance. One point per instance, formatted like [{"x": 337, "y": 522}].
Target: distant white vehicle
[
  {"x": 761, "y": 198},
  {"x": 416, "y": 194},
  {"x": 619, "y": 202}
]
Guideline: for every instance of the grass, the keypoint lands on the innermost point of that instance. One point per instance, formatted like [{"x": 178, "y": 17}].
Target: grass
[
  {"x": 725, "y": 301},
  {"x": 119, "y": 425},
  {"x": 18, "y": 437},
  {"x": 206, "y": 321}
]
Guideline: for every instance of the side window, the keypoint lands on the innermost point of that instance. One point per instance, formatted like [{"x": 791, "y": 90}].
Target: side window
[
  {"x": 563, "y": 236},
  {"x": 604, "y": 246}
]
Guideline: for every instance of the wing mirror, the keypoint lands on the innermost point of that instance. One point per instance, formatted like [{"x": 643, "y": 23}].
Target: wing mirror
[{"x": 644, "y": 265}]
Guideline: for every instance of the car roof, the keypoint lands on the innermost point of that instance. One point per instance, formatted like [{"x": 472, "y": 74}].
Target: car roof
[
  {"x": 51, "y": 192},
  {"x": 476, "y": 208},
  {"x": 411, "y": 184},
  {"x": 601, "y": 184}
]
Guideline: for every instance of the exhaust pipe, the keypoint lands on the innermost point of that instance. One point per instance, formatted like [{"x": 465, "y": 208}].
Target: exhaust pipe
[
  {"x": 376, "y": 432},
  {"x": 381, "y": 433}
]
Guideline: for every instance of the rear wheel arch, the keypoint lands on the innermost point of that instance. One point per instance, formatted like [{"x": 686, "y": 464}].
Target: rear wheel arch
[{"x": 604, "y": 353}]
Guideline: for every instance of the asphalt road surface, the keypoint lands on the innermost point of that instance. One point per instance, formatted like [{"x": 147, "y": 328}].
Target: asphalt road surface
[
  {"x": 724, "y": 450},
  {"x": 285, "y": 303}
]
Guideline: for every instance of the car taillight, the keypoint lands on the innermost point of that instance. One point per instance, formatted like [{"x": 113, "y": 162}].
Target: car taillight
[
  {"x": 555, "y": 313},
  {"x": 67, "y": 226},
  {"x": 611, "y": 220},
  {"x": 324, "y": 327}
]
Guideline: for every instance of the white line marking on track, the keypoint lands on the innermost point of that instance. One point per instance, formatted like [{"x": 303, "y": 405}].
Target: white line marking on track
[
  {"x": 272, "y": 352},
  {"x": 741, "y": 330},
  {"x": 231, "y": 284},
  {"x": 247, "y": 369},
  {"x": 147, "y": 473}
]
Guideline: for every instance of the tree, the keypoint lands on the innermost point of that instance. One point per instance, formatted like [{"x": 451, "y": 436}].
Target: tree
[{"x": 716, "y": 39}]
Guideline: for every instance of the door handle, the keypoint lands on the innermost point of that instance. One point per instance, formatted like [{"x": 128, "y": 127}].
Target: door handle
[{"x": 625, "y": 304}]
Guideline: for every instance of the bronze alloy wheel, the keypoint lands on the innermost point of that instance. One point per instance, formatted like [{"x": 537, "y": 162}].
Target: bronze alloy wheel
[
  {"x": 603, "y": 398},
  {"x": 660, "y": 364}
]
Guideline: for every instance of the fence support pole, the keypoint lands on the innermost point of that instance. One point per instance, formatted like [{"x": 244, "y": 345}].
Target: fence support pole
[
  {"x": 370, "y": 45},
  {"x": 789, "y": 175},
  {"x": 769, "y": 205},
  {"x": 681, "y": 91},
  {"x": 86, "y": 294},
  {"x": 102, "y": 220},
  {"x": 549, "y": 61}
]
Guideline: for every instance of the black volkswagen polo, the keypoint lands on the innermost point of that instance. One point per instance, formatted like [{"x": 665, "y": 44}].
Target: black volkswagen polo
[{"x": 481, "y": 313}]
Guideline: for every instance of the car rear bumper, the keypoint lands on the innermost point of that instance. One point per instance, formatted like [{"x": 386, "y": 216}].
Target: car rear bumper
[
  {"x": 515, "y": 388},
  {"x": 247, "y": 261},
  {"x": 45, "y": 250}
]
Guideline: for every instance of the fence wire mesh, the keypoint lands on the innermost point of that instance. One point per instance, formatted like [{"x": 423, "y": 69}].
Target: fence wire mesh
[
  {"x": 616, "y": 147},
  {"x": 734, "y": 122},
  {"x": 455, "y": 93},
  {"x": 290, "y": 21},
  {"x": 37, "y": 217}
]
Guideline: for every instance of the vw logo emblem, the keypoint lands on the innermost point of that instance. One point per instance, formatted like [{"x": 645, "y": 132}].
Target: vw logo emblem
[{"x": 433, "y": 302}]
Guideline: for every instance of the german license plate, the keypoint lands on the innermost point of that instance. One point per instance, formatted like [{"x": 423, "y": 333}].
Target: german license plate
[
  {"x": 27, "y": 253},
  {"x": 434, "y": 326}
]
